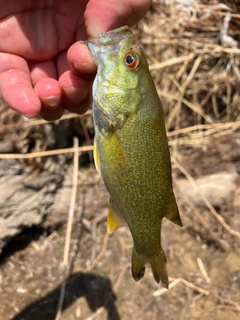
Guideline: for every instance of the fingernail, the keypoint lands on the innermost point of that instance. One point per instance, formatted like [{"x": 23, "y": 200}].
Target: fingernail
[
  {"x": 76, "y": 94},
  {"x": 51, "y": 101},
  {"x": 79, "y": 65},
  {"x": 84, "y": 67},
  {"x": 29, "y": 115}
]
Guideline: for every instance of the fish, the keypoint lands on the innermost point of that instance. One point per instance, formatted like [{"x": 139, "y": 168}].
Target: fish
[{"x": 131, "y": 150}]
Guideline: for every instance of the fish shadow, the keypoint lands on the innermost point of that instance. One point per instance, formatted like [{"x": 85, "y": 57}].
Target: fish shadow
[{"x": 97, "y": 291}]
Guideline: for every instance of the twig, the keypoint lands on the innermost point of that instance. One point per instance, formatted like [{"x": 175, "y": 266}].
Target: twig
[
  {"x": 212, "y": 47},
  {"x": 101, "y": 254},
  {"x": 86, "y": 136},
  {"x": 203, "y": 270},
  {"x": 120, "y": 277},
  {"x": 218, "y": 126},
  {"x": 31, "y": 123},
  {"x": 214, "y": 235},
  {"x": 205, "y": 199},
  {"x": 69, "y": 227},
  {"x": 176, "y": 282},
  {"x": 183, "y": 88},
  {"x": 44, "y": 153},
  {"x": 171, "y": 62},
  {"x": 94, "y": 224},
  {"x": 191, "y": 106}
]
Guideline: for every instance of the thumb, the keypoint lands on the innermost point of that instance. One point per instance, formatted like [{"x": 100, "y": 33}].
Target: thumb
[{"x": 104, "y": 15}]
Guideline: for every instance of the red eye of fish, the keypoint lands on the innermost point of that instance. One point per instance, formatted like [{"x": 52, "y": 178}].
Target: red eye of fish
[{"x": 131, "y": 60}]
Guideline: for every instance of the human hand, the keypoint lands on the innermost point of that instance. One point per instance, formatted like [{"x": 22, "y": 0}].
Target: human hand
[{"x": 43, "y": 67}]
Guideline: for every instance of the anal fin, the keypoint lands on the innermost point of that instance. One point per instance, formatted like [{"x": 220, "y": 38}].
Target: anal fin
[
  {"x": 115, "y": 218},
  {"x": 173, "y": 212}
]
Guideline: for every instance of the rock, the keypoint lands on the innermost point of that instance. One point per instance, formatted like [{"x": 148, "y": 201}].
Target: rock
[
  {"x": 217, "y": 188},
  {"x": 26, "y": 197}
]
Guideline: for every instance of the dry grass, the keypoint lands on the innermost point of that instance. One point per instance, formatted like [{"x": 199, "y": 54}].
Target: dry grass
[
  {"x": 192, "y": 50},
  {"x": 193, "y": 54}
]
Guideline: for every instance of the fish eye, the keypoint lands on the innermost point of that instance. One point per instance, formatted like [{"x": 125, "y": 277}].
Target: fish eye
[{"x": 131, "y": 60}]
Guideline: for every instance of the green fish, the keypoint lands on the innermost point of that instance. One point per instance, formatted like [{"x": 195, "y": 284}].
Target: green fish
[{"x": 131, "y": 149}]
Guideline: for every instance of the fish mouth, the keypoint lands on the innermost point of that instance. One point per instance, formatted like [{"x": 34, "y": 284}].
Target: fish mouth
[{"x": 110, "y": 38}]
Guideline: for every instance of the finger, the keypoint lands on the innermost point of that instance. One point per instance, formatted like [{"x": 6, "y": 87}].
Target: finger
[
  {"x": 104, "y": 15},
  {"x": 62, "y": 63},
  {"x": 40, "y": 70},
  {"x": 81, "y": 34},
  {"x": 50, "y": 94},
  {"x": 51, "y": 114},
  {"x": 77, "y": 83},
  {"x": 80, "y": 61},
  {"x": 16, "y": 86},
  {"x": 77, "y": 92}
]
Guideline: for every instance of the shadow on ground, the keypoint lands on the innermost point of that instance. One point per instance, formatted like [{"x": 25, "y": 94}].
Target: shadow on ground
[{"x": 95, "y": 289}]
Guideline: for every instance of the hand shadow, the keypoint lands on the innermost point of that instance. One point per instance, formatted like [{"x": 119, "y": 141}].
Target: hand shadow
[{"x": 96, "y": 290}]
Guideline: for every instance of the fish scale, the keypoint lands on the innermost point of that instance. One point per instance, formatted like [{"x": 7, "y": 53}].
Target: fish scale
[{"x": 130, "y": 149}]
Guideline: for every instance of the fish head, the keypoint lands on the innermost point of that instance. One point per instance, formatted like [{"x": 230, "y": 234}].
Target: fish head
[
  {"x": 118, "y": 57},
  {"x": 122, "y": 67}
]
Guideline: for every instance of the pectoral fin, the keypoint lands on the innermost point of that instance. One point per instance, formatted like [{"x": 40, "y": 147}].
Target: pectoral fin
[
  {"x": 115, "y": 217},
  {"x": 96, "y": 157},
  {"x": 172, "y": 211}
]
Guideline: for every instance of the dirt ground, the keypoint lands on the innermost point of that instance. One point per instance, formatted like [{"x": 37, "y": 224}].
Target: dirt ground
[{"x": 204, "y": 273}]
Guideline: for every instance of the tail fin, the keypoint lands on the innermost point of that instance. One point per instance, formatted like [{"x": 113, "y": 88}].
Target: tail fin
[{"x": 158, "y": 264}]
